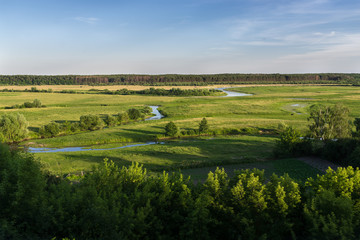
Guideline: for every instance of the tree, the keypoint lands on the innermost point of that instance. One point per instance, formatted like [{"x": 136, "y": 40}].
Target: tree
[
  {"x": 91, "y": 122},
  {"x": 123, "y": 118},
  {"x": 109, "y": 120},
  {"x": 329, "y": 122},
  {"x": 134, "y": 114},
  {"x": 13, "y": 127},
  {"x": 50, "y": 130},
  {"x": 171, "y": 129},
  {"x": 203, "y": 126}
]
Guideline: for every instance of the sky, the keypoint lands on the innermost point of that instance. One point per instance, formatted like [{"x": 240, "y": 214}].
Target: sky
[{"x": 179, "y": 36}]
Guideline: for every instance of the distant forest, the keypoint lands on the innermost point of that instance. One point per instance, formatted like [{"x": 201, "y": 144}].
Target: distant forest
[{"x": 178, "y": 80}]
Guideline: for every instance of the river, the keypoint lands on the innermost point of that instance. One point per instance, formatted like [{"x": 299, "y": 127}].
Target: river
[{"x": 157, "y": 116}]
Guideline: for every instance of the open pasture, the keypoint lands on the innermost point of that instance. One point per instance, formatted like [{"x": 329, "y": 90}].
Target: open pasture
[{"x": 264, "y": 110}]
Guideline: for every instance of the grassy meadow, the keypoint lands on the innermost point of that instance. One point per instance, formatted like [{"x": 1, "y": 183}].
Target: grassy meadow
[{"x": 264, "y": 110}]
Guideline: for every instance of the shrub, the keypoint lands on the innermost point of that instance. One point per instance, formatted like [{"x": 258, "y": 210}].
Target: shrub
[
  {"x": 291, "y": 144},
  {"x": 123, "y": 118},
  {"x": 134, "y": 114},
  {"x": 109, "y": 120},
  {"x": 50, "y": 130},
  {"x": 91, "y": 122},
  {"x": 171, "y": 129}
]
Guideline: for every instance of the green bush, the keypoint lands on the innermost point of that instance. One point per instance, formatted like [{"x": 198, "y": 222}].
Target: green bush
[
  {"x": 171, "y": 129},
  {"x": 291, "y": 144},
  {"x": 110, "y": 120},
  {"x": 123, "y": 118},
  {"x": 91, "y": 122},
  {"x": 134, "y": 114},
  {"x": 50, "y": 130}
]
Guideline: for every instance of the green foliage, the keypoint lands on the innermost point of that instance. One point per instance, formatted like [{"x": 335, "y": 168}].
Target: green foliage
[
  {"x": 291, "y": 143},
  {"x": 35, "y": 104},
  {"x": 50, "y": 130},
  {"x": 128, "y": 203},
  {"x": 13, "y": 127},
  {"x": 91, "y": 122},
  {"x": 329, "y": 217},
  {"x": 171, "y": 129},
  {"x": 123, "y": 118},
  {"x": 329, "y": 122},
  {"x": 134, "y": 114},
  {"x": 203, "y": 126},
  {"x": 110, "y": 120}
]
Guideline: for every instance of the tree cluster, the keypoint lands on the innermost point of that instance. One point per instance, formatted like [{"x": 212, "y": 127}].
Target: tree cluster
[
  {"x": 128, "y": 203},
  {"x": 93, "y": 122},
  {"x": 177, "y": 79},
  {"x": 172, "y": 130},
  {"x": 35, "y": 104}
]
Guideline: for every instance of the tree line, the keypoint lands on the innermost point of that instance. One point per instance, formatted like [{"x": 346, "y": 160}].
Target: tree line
[
  {"x": 128, "y": 203},
  {"x": 178, "y": 79},
  {"x": 124, "y": 91}
]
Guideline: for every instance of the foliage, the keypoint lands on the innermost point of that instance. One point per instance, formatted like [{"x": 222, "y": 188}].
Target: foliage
[
  {"x": 329, "y": 122},
  {"x": 128, "y": 203},
  {"x": 171, "y": 129},
  {"x": 50, "y": 130},
  {"x": 35, "y": 104},
  {"x": 134, "y": 113},
  {"x": 110, "y": 120},
  {"x": 123, "y": 118},
  {"x": 13, "y": 127},
  {"x": 203, "y": 126},
  {"x": 91, "y": 122},
  {"x": 177, "y": 79},
  {"x": 292, "y": 144}
]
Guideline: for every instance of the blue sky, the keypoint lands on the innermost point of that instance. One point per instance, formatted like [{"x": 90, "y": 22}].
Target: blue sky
[{"x": 199, "y": 36}]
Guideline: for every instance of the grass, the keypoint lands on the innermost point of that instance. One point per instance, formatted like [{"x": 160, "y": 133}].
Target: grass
[
  {"x": 296, "y": 169},
  {"x": 269, "y": 106},
  {"x": 169, "y": 156}
]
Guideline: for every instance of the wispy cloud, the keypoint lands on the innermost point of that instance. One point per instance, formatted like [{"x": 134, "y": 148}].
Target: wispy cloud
[{"x": 89, "y": 20}]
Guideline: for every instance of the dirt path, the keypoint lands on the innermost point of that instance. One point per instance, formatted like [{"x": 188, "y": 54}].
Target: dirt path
[{"x": 318, "y": 163}]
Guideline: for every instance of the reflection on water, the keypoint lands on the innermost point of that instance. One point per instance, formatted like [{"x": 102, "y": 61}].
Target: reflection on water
[
  {"x": 233, "y": 94},
  {"x": 156, "y": 112}
]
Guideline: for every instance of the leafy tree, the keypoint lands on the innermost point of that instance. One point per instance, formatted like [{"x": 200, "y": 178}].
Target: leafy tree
[
  {"x": 291, "y": 143},
  {"x": 91, "y": 122},
  {"x": 134, "y": 114},
  {"x": 171, "y": 129},
  {"x": 329, "y": 122},
  {"x": 109, "y": 120},
  {"x": 123, "y": 118},
  {"x": 13, "y": 127},
  {"x": 203, "y": 126},
  {"x": 50, "y": 130}
]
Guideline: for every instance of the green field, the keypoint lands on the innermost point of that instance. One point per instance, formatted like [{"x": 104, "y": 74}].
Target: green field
[{"x": 269, "y": 106}]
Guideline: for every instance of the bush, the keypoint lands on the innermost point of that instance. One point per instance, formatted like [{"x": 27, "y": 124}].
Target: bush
[
  {"x": 91, "y": 122},
  {"x": 13, "y": 128},
  {"x": 134, "y": 114},
  {"x": 291, "y": 144},
  {"x": 171, "y": 129},
  {"x": 110, "y": 120},
  {"x": 123, "y": 118},
  {"x": 50, "y": 130}
]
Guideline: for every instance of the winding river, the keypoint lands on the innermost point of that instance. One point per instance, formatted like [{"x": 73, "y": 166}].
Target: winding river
[
  {"x": 157, "y": 116},
  {"x": 233, "y": 94}
]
